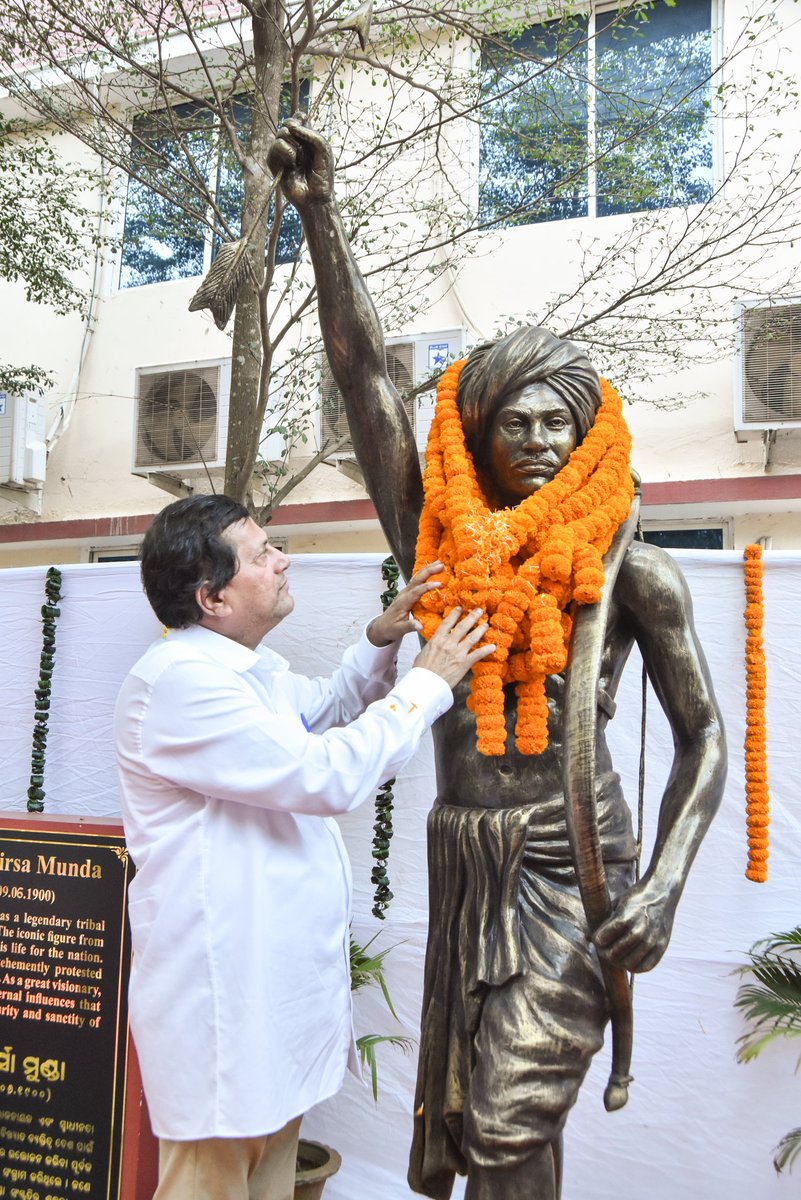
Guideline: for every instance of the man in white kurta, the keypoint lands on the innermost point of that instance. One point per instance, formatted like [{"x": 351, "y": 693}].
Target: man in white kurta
[{"x": 231, "y": 770}]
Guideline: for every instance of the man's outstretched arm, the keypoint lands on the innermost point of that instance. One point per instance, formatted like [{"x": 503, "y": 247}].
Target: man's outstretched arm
[{"x": 383, "y": 438}]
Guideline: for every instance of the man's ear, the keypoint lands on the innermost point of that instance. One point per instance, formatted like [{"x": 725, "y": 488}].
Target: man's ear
[{"x": 212, "y": 605}]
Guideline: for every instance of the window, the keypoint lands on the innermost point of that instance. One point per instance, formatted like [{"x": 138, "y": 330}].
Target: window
[
  {"x": 169, "y": 235},
  {"x": 597, "y": 113},
  {"x": 689, "y": 537},
  {"x": 130, "y": 553},
  {"x": 107, "y": 554}
]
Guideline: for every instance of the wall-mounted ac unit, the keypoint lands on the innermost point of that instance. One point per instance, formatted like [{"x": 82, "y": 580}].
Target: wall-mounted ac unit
[
  {"x": 23, "y": 453},
  {"x": 411, "y": 361},
  {"x": 181, "y": 420},
  {"x": 768, "y": 391}
]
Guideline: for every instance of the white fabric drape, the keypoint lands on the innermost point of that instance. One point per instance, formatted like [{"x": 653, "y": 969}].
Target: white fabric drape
[{"x": 698, "y": 1125}]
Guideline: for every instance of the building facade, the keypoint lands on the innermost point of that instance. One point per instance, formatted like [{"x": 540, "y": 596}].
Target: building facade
[{"x": 674, "y": 259}]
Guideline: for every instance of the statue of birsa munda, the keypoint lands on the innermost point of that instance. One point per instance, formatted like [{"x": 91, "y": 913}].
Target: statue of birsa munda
[{"x": 535, "y": 915}]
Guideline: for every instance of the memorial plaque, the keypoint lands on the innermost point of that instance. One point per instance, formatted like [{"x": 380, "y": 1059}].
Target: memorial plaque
[{"x": 64, "y": 958}]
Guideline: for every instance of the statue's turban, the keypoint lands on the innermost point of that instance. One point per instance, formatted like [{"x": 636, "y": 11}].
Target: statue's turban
[{"x": 495, "y": 370}]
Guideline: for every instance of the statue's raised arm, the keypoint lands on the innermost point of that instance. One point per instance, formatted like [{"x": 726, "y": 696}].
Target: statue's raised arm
[{"x": 382, "y": 434}]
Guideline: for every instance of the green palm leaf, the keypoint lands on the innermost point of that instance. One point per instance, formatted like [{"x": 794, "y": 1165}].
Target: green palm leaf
[
  {"x": 366, "y": 1046},
  {"x": 771, "y": 1003},
  {"x": 787, "y": 1150},
  {"x": 366, "y": 968}
]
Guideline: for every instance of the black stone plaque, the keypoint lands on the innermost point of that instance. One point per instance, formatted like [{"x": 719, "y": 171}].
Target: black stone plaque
[{"x": 64, "y": 959}]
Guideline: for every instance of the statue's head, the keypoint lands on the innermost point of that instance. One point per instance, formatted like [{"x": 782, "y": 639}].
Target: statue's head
[{"x": 526, "y": 401}]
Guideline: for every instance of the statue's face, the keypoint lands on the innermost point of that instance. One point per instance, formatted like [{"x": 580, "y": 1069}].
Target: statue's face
[{"x": 530, "y": 439}]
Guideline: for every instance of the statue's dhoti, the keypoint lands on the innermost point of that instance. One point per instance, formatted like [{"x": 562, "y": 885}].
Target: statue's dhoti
[{"x": 514, "y": 1005}]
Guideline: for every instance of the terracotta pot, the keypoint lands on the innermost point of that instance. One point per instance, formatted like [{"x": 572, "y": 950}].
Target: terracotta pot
[{"x": 316, "y": 1164}]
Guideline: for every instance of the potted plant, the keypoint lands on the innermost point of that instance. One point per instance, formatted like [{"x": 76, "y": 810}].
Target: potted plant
[
  {"x": 771, "y": 1003},
  {"x": 315, "y": 1165},
  {"x": 316, "y": 1162}
]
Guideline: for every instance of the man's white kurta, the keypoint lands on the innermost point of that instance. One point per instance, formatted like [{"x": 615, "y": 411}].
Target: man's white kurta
[{"x": 231, "y": 768}]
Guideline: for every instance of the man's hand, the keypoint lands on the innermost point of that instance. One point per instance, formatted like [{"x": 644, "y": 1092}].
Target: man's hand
[
  {"x": 397, "y": 620},
  {"x": 637, "y": 934},
  {"x": 305, "y": 163},
  {"x": 454, "y": 649}
]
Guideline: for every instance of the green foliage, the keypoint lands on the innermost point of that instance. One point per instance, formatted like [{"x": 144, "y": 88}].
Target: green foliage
[
  {"x": 44, "y": 232},
  {"x": 772, "y": 1006},
  {"x": 43, "y": 226},
  {"x": 367, "y": 969},
  {"x": 22, "y": 379}
]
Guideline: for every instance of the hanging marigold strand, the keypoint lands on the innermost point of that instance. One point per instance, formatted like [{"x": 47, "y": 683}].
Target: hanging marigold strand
[
  {"x": 756, "y": 735},
  {"x": 522, "y": 566}
]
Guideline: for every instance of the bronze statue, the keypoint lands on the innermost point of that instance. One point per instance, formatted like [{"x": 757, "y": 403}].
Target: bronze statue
[{"x": 528, "y": 942}]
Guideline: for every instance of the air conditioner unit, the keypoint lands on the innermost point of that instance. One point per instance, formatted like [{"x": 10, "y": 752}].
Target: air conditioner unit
[
  {"x": 23, "y": 452},
  {"x": 411, "y": 361},
  {"x": 768, "y": 390},
  {"x": 181, "y": 419}
]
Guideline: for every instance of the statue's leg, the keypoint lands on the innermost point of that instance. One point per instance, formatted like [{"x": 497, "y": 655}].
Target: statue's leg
[
  {"x": 557, "y": 1149},
  {"x": 531, "y": 1180},
  {"x": 536, "y": 1037}
]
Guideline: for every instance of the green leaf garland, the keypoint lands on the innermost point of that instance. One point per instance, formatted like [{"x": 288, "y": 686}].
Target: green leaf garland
[
  {"x": 382, "y": 829},
  {"x": 50, "y": 614}
]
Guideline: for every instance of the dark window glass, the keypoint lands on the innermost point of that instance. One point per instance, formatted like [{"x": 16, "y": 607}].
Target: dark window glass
[
  {"x": 685, "y": 539},
  {"x": 653, "y": 118},
  {"x": 230, "y": 187},
  {"x": 533, "y": 151},
  {"x": 230, "y": 191},
  {"x": 164, "y": 239},
  {"x": 649, "y": 83}
]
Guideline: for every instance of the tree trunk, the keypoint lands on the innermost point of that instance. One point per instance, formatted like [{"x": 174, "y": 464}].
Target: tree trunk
[{"x": 251, "y": 347}]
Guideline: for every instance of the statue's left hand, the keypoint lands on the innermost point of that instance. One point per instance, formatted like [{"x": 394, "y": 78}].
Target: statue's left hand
[
  {"x": 397, "y": 620},
  {"x": 305, "y": 163},
  {"x": 637, "y": 934}
]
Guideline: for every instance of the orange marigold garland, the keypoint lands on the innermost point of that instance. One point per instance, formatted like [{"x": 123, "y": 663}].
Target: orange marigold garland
[
  {"x": 756, "y": 738},
  {"x": 523, "y": 566}
]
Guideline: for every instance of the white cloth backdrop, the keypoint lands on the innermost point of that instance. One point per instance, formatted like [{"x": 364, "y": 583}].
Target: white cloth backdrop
[{"x": 697, "y": 1124}]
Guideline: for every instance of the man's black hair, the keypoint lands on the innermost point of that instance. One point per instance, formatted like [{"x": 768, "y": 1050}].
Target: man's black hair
[{"x": 184, "y": 548}]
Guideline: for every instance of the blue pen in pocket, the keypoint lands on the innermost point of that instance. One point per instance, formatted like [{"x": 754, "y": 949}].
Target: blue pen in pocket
[{"x": 306, "y": 724}]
